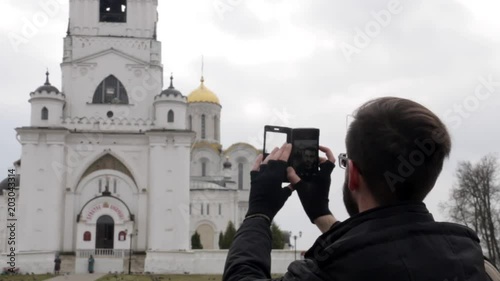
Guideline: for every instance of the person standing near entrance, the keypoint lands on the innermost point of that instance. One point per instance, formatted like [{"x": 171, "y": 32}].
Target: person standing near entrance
[
  {"x": 91, "y": 264},
  {"x": 57, "y": 265}
]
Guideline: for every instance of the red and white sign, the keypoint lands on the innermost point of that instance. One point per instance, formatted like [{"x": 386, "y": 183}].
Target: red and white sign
[{"x": 97, "y": 208}]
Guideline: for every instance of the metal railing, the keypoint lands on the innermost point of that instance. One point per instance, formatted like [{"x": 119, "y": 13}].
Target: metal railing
[{"x": 110, "y": 253}]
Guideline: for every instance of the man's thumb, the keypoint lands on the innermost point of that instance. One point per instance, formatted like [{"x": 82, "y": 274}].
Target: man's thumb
[{"x": 292, "y": 176}]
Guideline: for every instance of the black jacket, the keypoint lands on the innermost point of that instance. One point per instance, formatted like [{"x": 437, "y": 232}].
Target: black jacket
[{"x": 400, "y": 242}]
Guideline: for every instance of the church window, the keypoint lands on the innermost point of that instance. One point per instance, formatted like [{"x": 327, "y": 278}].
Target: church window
[
  {"x": 208, "y": 209},
  {"x": 190, "y": 122},
  {"x": 87, "y": 236},
  {"x": 100, "y": 185},
  {"x": 122, "y": 236},
  {"x": 110, "y": 91},
  {"x": 203, "y": 123},
  {"x": 220, "y": 209},
  {"x": 114, "y": 185},
  {"x": 240, "y": 175},
  {"x": 203, "y": 169},
  {"x": 202, "y": 208},
  {"x": 170, "y": 116},
  {"x": 45, "y": 114},
  {"x": 216, "y": 128},
  {"x": 113, "y": 11}
]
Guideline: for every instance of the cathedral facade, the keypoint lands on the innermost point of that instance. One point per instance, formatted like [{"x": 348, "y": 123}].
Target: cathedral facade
[{"x": 117, "y": 159}]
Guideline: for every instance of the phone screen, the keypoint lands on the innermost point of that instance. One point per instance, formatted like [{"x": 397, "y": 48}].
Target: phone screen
[
  {"x": 305, "y": 151},
  {"x": 274, "y": 139}
]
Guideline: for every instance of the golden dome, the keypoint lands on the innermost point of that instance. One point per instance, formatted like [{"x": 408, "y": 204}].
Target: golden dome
[{"x": 203, "y": 94}]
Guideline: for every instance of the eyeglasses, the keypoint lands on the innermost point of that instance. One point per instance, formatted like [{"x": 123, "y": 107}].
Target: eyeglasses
[{"x": 343, "y": 160}]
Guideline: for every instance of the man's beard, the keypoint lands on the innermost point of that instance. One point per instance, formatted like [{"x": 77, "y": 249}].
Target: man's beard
[{"x": 350, "y": 204}]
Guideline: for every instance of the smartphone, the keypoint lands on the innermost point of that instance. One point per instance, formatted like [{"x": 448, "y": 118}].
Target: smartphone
[
  {"x": 275, "y": 136},
  {"x": 305, "y": 146}
]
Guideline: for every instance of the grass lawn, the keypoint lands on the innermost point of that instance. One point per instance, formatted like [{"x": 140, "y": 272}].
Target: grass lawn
[
  {"x": 111, "y": 277},
  {"x": 25, "y": 277}
]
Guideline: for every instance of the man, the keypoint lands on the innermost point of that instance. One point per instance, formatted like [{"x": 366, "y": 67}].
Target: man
[
  {"x": 395, "y": 153},
  {"x": 306, "y": 160},
  {"x": 57, "y": 265},
  {"x": 309, "y": 158}
]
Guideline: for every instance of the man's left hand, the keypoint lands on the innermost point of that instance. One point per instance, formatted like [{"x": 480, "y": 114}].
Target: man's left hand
[{"x": 266, "y": 194}]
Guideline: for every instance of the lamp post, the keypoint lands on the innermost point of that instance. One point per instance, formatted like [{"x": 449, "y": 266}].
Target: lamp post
[
  {"x": 295, "y": 243},
  {"x": 130, "y": 251}
]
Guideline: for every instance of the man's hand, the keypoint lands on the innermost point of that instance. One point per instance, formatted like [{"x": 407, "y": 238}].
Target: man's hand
[
  {"x": 266, "y": 194},
  {"x": 314, "y": 193}
]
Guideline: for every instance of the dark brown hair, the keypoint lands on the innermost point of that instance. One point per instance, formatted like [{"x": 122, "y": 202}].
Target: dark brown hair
[{"x": 399, "y": 146}]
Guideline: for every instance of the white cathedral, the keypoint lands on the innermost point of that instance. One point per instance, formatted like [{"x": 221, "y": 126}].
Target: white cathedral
[{"x": 118, "y": 159}]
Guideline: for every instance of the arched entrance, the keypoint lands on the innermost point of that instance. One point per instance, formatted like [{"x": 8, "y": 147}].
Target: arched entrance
[
  {"x": 105, "y": 232},
  {"x": 206, "y": 233}
]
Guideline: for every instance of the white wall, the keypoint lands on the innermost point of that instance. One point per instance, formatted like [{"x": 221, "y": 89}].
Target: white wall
[
  {"x": 206, "y": 262},
  {"x": 54, "y": 107},
  {"x": 42, "y": 153},
  {"x": 141, "y": 81}
]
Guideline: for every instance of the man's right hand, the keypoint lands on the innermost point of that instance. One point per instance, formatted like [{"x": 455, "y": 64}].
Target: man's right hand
[{"x": 314, "y": 193}]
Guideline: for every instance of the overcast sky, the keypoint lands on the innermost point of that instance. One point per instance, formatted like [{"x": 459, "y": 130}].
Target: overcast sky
[{"x": 298, "y": 63}]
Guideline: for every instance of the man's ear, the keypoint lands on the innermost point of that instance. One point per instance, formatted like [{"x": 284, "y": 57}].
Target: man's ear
[{"x": 354, "y": 177}]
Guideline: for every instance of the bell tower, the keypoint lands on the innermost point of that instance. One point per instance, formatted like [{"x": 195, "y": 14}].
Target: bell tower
[
  {"x": 120, "y": 18},
  {"x": 112, "y": 61}
]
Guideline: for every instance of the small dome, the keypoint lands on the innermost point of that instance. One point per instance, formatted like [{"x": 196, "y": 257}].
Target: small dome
[
  {"x": 171, "y": 90},
  {"x": 4, "y": 185},
  {"x": 203, "y": 94},
  {"x": 227, "y": 164},
  {"x": 47, "y": 86}
]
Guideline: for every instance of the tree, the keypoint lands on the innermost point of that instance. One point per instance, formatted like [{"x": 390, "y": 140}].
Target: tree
[
  {"x": 278, "y": 239},
  {"x": 474, "y": 202},
  {"x": 221, "y": 240},
  {"x": 226, "y": 238},
  {"x": 195, "y": 241}
]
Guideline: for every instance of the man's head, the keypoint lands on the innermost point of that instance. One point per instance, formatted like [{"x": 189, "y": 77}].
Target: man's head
[
  {"x": 309, "y": 157},
  {"x": 396, "y": 148}
]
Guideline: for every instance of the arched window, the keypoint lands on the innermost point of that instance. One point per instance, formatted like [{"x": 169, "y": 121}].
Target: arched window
[
  {"x": 190, "y": 122},
  {"x": 203, "y": 169},
  {"x": 203, "y": 126},
  {"x": 87, "y": 236},
  {"x": 216, "y": 127},
  {"x": 208, "y": 209},
  {"x": 113, "y": 11},
  {"x": 240, "y": 175},
  {"x": 45, "y": 114},
  {"x": 170, "y": 117},
  {"x": 111, "y": 90},
  {"x": 122, "y": 236}
]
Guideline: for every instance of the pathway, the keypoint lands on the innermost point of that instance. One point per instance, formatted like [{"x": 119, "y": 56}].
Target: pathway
[{"x": 77, "y": 277}]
